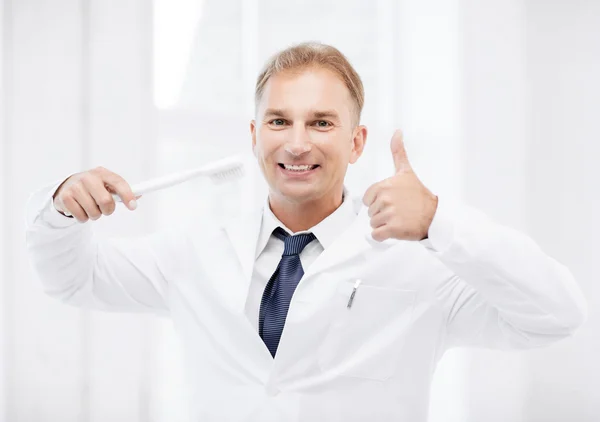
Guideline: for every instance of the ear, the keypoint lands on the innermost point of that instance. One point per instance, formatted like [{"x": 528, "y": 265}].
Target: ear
[
  {"x": 253, "y": 134},
  {"x": 358, "y": 143}
]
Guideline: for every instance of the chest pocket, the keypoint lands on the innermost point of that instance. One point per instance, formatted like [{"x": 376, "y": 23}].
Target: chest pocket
[{"x": 366, "y": 339}]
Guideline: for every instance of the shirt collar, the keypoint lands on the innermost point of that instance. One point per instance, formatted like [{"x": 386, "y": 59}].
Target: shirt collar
[{"x": 326, "y": 231}]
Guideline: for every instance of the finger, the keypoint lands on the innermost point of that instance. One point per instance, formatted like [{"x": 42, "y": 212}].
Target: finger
[
  {"x": 101, "y": 196},
  {"x": 59, "y": 206},
  {"x": 401, "y": 162},
  {"x": 116, "y": 184},
  {"x": 85, "y": 200},
  {"x": 376, "y": 207},
  {"x": 379, "y": 220},
  {"x": 381, "y": 233},
  {"x": 70, "y": 205},
  {"x": 370, "y": 194}
]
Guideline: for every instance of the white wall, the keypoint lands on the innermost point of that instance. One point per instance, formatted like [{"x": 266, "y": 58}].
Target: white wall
[
  {"x": 563, "y": 39},
  {"x": 3, "y": 332},
  {"x": 498, "y": 100}
]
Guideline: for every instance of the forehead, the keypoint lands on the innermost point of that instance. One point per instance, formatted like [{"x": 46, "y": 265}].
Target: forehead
[{"x": 307, "y": 89}]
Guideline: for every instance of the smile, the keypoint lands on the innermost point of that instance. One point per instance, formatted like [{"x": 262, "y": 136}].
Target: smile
[{"x": 298, "y": 168}]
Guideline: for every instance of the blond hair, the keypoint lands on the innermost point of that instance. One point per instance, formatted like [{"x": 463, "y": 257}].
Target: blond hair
[{"x": 313, "y": 54}]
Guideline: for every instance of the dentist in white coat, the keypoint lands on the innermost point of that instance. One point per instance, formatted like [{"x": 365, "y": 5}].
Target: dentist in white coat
[{"x": 290, "y": 313}]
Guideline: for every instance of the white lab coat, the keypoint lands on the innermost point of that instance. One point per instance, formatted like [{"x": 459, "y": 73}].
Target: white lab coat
[{"x": 473, "y": 283}]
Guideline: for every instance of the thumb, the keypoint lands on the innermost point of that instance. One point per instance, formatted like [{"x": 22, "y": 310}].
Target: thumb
[{"x": 401, "y": 162}]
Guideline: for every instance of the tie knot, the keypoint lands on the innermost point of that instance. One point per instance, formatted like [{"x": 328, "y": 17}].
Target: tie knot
[{"x": 293, "y": 245}]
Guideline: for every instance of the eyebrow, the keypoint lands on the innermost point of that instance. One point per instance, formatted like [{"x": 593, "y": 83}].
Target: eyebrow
[
  {"x": 316, "y": 114},
  {"x": 325, "y": 114},
  {"x": 275, "y": 112}
]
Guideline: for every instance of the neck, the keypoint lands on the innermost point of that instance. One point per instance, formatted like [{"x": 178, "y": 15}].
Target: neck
[{"x": 300, "y": 216}]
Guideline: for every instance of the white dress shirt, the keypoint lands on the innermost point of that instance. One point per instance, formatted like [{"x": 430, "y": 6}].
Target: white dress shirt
[{"x": 269, "y": 249}]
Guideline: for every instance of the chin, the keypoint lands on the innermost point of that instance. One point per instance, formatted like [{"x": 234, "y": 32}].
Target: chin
[{"x": 298, "y": 193}]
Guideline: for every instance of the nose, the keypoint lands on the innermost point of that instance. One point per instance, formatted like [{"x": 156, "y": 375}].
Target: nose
[{"x": 299, "y": 142}]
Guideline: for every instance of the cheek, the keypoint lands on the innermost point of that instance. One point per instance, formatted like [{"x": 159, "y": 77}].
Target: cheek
[
  {"x": 269, "y": 141},
  {"x": 324, "y": 140},
  {"x": 337, "y": 149}
]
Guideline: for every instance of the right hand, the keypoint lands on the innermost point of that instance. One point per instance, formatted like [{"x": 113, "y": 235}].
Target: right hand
[{"x": 88, "y": 195}]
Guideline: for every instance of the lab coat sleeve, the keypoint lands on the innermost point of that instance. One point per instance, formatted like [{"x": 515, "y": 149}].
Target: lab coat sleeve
[
  {"x": 79, "y": 267},
  {"x": 506, "y": 292}
]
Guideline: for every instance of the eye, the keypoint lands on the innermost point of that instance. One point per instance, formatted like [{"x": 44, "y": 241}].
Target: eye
[
  {"x": 277, "y": 122},
  {"x": 323, "y": 123}
]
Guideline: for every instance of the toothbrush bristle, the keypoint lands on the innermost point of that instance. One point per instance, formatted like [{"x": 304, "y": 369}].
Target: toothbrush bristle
[{"x": 228, "y": 175}]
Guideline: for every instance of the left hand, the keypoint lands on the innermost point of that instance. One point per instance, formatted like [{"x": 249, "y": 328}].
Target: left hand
[{"x": 400, "y": 207}]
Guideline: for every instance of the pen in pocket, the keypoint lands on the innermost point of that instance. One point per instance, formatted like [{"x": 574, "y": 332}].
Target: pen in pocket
[{"x": 353, "y": 293}]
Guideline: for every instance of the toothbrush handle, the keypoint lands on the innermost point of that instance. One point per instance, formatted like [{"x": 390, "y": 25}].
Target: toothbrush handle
[
  {"x": 222, "y": 167},
  {"x": 162, "y": 182}
]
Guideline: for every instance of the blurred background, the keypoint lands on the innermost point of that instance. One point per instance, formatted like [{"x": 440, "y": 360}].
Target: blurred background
[{"x": 498, "y": 99}]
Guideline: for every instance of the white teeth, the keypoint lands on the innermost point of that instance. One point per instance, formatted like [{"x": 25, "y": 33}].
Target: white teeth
[{"x": 297, "y": 168}]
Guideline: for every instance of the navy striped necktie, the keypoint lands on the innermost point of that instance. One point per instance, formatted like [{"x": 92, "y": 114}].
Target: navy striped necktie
[{"x": 280, "y": 288}]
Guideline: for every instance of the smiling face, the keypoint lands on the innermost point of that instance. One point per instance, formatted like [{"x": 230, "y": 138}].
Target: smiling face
[{"x": 305, "y": 135}]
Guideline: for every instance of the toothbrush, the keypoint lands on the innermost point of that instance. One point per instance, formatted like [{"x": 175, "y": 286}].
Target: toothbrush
[{"x": 225, "y": 170}]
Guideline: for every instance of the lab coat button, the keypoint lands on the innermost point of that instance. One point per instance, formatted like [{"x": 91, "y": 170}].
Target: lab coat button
[{"x": 272, "y": 390}]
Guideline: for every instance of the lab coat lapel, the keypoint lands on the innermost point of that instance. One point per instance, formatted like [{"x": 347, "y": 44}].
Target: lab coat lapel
[
  {"x": 351, "y": 243},
  {"x": 243, "y": 233}
]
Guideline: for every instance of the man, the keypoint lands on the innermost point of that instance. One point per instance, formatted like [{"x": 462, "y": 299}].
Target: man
[{"x": 313, "y": 306}]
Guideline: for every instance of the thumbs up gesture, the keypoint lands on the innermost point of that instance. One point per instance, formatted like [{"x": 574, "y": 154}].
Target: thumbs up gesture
[{"x": 400, "y": 207}]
